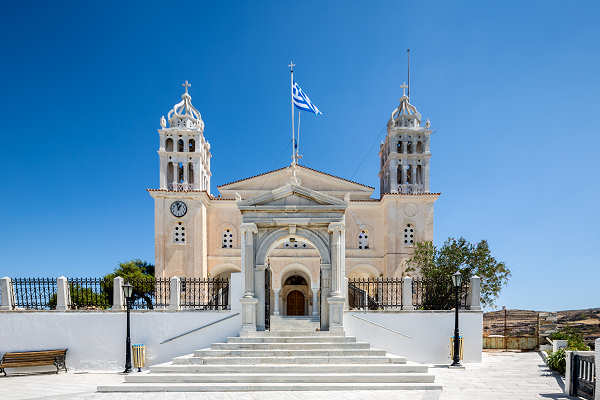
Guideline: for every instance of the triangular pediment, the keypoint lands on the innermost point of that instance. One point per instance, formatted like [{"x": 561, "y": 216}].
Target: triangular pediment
[
  {"x": 302, "y": 176},
  {"x": 292, "y": 196}
]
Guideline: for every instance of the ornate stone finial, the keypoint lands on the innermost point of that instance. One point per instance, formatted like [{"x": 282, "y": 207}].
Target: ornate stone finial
[
  {"x": 427, "y": 124},
  {"x": 404, "y": 86},
  {"x": 294, "y": 180},
  {"x": 163, "y": 122},
  {"x": 186, "y": 85},
  {"x": 184, "y": 115},
  {"x": 238, "y": 196}
]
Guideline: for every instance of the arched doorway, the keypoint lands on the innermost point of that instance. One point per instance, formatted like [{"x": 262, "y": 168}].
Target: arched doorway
[{"x": 295, "y": 303}]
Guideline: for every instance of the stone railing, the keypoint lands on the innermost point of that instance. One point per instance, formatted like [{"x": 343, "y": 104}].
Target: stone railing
[
  {"x": 181, "y": 187},
  {"x": 409, "y": 188}
]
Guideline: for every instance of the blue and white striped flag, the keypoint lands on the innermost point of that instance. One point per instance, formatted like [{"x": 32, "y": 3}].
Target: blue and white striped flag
[{"x": 301, "y": 100}]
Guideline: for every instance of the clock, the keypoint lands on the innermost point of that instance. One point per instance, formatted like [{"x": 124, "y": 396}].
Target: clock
[{"x": 178, "y": 208}]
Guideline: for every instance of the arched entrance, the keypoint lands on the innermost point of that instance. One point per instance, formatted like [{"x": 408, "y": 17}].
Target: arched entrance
[{"x": 295, "y": 303}]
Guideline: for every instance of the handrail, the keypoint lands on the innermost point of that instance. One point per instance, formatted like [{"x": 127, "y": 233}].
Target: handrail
[
  {"x": 202, "y": 327},
  {"x": 381, "y": 326}
]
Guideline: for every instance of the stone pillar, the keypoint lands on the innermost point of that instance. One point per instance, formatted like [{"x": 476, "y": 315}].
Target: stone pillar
[
  {"x": 259, "y": 295},
  {"x": 404, "y": 173},
  {"x": 185, "y": 173},
  {"x": 249, "y": 302},
  {"x": 276, "y": 301},
  {"x": 413, "y": 173},
  {"x": 407, "y": 295},
  {"x": 62, "y": 294},
  {"x": 315, "y": 301},
  {"x": 118, "y": 296},
  {"x": 426, "y": 177},
  {"x": 475, "y": 293},
  {"x": 394, "y": 176},
  {"x": 6, "y": 298},
  {"x": 597, "y": 362},
  {"x": 325, "y": 284},
  {"x": 175, "y": 171},
  {"x": 338, "y": 267},
  {"x": 175, "y": 294},
  {"x": 568, "y": 379}
]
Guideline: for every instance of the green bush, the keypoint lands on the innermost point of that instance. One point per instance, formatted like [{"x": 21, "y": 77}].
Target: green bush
[
  {"x": 557, "y": 361},
  {"x": 574, "y": 338}
]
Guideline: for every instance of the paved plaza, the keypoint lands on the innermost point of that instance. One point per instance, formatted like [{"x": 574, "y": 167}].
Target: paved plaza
[{"x": 510, "y": 376}]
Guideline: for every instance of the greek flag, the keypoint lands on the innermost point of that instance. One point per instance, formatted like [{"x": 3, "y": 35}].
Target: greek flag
[{"x": 301, "y": 100}]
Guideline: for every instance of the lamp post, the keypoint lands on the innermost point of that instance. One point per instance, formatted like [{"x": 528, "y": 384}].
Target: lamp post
[
  {"x": 456, "y": 281},
  {"x": 127, "y": 291}
]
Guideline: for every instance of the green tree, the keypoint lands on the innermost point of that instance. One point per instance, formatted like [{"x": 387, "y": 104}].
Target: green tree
[
  {"x": 84, "y": 298},
  {"x": 438, "y": 264},
  {"x": 140, "y": 275}
]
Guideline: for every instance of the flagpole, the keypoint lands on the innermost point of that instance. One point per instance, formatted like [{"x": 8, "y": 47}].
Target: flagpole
[
  {"x": 298, "y": 141},
  {"x": 292, "y": 65}
]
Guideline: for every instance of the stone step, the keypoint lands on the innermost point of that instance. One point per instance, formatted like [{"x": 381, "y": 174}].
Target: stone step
[
  {"x": 287, "y": 333},
  {"x": 281, "y": 378},
  {"x": 225, "y": 360},
  {"x": 293, "y": 339},
  {"x": 291, "y": 346},
  {"x": 286, "y": 353},
  {"x": 291, "y": 368},
  {"x": 263, "y": 387}
]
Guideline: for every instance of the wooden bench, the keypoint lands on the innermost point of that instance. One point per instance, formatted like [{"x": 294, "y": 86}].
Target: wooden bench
[{"x": 34, "y": 359}]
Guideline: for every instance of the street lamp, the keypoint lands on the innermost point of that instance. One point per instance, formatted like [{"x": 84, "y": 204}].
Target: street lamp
[
  {"x": 456, "y": 282},
  {"x": 127, "y": 291}
]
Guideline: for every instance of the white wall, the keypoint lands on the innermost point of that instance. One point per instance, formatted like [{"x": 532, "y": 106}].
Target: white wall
[
  {"x": 96, "y": 339},
  {"x": 428, "y": 333}
]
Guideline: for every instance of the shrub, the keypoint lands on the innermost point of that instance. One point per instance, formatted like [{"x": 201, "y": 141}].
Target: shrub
[
  {"x": 557, "y": 361},
  {"x": 574, "y": 338}
]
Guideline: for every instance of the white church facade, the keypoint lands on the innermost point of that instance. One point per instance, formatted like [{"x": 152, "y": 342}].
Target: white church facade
[{"x": 295, "y": 233}]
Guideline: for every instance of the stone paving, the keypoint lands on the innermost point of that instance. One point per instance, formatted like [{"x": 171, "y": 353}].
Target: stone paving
[{"x": 500, "y": 376}]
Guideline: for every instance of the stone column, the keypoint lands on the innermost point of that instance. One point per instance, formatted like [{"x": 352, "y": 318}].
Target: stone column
[
  {"x": 407, "y": 297},
  {"x": 249, "y": 303},
  {"x": 597, "y": 362},
  {"x": 475, "y": 293},
  {"x": 413, "y": 173},
  {"x": 259, "y": 295},
  {"x": 338, "y": 267},
  {"x": 315, "y": 301},
  {"x": 174, "y": 294},
  {"x": 568, "y": 378},
  {"x": 404, "y": 173},
  {"x": 276, "y": 301},
  {"x": 118, "y": 297},
  {"x": 394, "y": 176},
  {"x": 62, "y": 294},
  {"x": 185, "y": 172},
  {"x": 6, "y": 298},
  {"x": 426, "y": 177}
]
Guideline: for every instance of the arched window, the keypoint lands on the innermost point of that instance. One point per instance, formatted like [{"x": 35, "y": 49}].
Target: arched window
[
  {"x": 170, "y": 167},
  {"x": 179, "y": 173},
  {"x": 180, "y": 145},
  {"x": 399, "y": 174},
  {"x": 419, "y": 147},
  {"x": 399, "y": 146},
  {"x": 179, "y": 233},
  {"x": 227, "y": 239},
  {"x": 169, "y": 145},
  {"x": 192, "y": 146},
  {"x": 363, "y": 239},
  {"x": 409, "y": 174},
  {"x": 409, "y": 147},
  {"x": 419, "y": 174},
  {"x": 190, "y": 173},
  {"x": 409, "y": 235}
]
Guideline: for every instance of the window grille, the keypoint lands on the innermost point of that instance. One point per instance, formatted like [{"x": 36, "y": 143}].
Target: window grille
[
  {"x": 409, "y": 234},
  {"x": 179, "y": 233},
  {"x": 227, "y": 242},
  {"x": 363, "y": 239}
]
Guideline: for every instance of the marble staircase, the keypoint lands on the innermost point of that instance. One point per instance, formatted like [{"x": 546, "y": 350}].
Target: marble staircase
[{"x": 294, "y": 355}]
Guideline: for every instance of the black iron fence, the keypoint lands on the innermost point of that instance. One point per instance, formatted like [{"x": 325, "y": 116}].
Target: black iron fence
[
  {"x": 34, "y": 293},
  {"x": 438, "y": 294},
  {"x": 150, "y": 293},
  {"x": 90, "y": 293},
  {"x": 205, "y": 294},
  {"x": 375, "y": 293}
]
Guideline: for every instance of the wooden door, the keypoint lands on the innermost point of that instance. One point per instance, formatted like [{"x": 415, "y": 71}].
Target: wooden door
[{"x": 295, "y": 303}]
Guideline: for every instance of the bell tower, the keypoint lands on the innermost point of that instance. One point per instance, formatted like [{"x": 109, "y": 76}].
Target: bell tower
[
  {"x": 184, "y": 152},
  {"x": 404, "y": 155}
]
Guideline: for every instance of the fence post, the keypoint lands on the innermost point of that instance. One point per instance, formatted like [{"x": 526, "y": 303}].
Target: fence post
[
  {"x": 597, "y": 363},
  {"x": 174, "y": 294},
  {"x": 407, "y": 297},
  {"x": 475, "y": 293},
  {"x": 568, "y": 367},
  {"x": 6, "y": 298},
  {"x": 118, "y": 297},
  {"x": 62, "y": 294}
]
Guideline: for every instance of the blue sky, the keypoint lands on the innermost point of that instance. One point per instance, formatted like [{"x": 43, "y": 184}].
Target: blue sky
[{"x": 511, "y": 89}]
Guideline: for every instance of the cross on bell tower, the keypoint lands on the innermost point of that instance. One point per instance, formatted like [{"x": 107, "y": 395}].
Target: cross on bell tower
[{"x": 186, "y": 85}]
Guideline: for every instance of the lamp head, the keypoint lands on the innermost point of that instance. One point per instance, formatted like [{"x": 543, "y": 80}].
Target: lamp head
[
  {"x": 127, "y": 290},
  {"x": 457, "y": 279}
]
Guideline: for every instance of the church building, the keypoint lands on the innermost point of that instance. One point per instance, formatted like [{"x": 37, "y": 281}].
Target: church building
[{"x": 295, "y": 233}]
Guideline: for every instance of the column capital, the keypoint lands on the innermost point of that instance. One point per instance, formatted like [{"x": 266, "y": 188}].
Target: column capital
[
  {"x": 336, "y": 227},
  {"x": 248, "y": 227}
]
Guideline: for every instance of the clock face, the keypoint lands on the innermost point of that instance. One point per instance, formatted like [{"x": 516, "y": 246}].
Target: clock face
[{"x": 178, "y": 208}]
